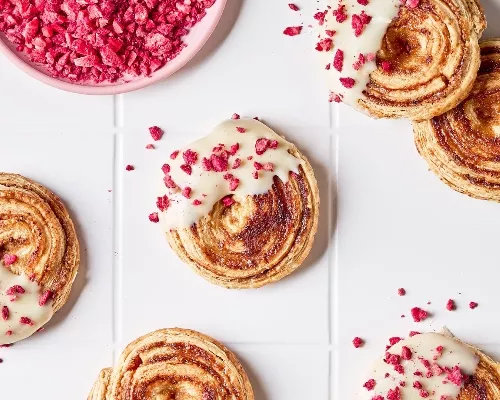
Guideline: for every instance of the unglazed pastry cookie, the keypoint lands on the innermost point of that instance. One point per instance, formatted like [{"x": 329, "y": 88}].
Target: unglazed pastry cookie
[
  {"x": 39, "y": 256},
  {"x": 401, "y": 59},
  {"x": 174, "y": 364},
  {"x": 241, "y": 205},
  {"x": 462, "y": 146},
  {"x": 435, "y": 367}
]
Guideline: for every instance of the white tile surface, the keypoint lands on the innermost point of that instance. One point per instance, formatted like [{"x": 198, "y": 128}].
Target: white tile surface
[{"x": 396, "y": 224}]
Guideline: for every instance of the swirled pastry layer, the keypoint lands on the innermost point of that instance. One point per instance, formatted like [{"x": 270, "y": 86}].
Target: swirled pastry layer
[
  {"x": 40, "y": 256},
  {"x": 427, "y": 56},
  {"x": 433, "y": 366},
  {"x": 254, "y": 224},
  {"x": 174, "y": 364},
  {"x": 463, "y": 146}
]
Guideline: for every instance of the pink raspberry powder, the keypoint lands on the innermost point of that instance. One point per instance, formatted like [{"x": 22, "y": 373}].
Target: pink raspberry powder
[{"x": 100, "y": 41}]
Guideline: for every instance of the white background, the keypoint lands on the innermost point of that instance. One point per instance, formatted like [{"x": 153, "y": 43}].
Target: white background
[{"x": 386, "y": 222}]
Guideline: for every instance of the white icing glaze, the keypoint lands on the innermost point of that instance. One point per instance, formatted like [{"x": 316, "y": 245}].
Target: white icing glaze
[
  {"x": 182, "y": 213},
  {"x": 424, "y": 345},
  {"x": 369, "y": 42},
  {"x": 25, "y": 305}
]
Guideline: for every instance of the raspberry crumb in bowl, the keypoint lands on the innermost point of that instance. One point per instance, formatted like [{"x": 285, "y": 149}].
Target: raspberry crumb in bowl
[{"x": 105, "y": 47}]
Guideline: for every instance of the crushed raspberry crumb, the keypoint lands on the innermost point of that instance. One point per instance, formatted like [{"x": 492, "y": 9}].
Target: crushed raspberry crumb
[
  {"x": 162, "y": 203},
  {"x": 218, "y": 163},
  {"x": 190, "y": 157},
  {"x": 414, "y": 333},
  {"x": 340, "y": 13},
  {"x": 293, "y": 30},
  {"x": 234, "y": 149},
  {"x": 450, "y": 305},
  {"x": 320, "y": 17},
  {"x": 255, "y": 174},
  {"x": 418, "y": 314},
  {"x": 370, "y": 384},
  {"x": 293, "y": 7},
  {"x": 237, "y": 163},
  {"x": 334, "y": 98},
  {"x": 325, "y": 44},
  {"x": 358, "y": 22},
  {"x": 5, "y": 313},
  {"x": 240, "y": 129},
  {"x": 456, "y": 376},
  {"x": 228, "y": 201},
  {"x": 186, "y": 192},
  {"x": 412, "y": 3},
  {"x": 392, "y": 359},
  {"x": 150, "y": 147},
  {"x": 386, "y": 66},
  {"x": 16, "y": 289},
  {"x": 196, "y": 202},
  {"x": 357, "y": 342},
  {"x": 377, "y": 397},
  {"x": 406, "y": 353},
  {"x": 261, "y": 145},
  {"x": 401, "y": 292},
  {"x": 363, "y": 2},
  {"x": 330, "y": 33},
  {"x": 347, "y": 82},
  {"x": 359, "y": 62},
  {"x": 9, "y": 259},
  {"x": 9, "y": 333},
  {"x": 169, "y": 182},
  {"x": 187, "y": 169},
  {"x": 44, "y": 298},
  {"x": 26, "y": 321},
  {"x": 258, "y": 166},
  {"x": 236, "y": 116},
  {"x": 394, "y": 340},
  {"x": 399, "y": 369},
  {"x": 338, "y": 60},
  {"x": 174, "y": 155},
  {"x": 153, "y": 217},
  {"x": 129, "y": 167},
  {"x": 156, "y": 133},
  {"x": 394, "y": 394},
  {"x": 165, "y": 168},
  {"x": 473, "y": 305},
  {"x": 100, "y": 41},
  {"x": 268, "y": 166}
]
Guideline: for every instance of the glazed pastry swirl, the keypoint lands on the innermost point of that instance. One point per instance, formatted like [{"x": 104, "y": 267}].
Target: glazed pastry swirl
[
  {"x": 485, "y": 383},
  {"x": 462, "y": 146},
  {"x": 40, "y": 256},
  {"x": 433, "y": 57},
  {"x": 174, "y": 364},
  {"x": 267, "y": 229}
]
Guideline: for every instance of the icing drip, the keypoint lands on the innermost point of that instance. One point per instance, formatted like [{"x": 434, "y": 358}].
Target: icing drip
[
  {"x": 425, "y": 371},
  {"x": 25, "y": 315},
  {"x": 209, "y": 187},
  {"x": 368, "y": 43}
]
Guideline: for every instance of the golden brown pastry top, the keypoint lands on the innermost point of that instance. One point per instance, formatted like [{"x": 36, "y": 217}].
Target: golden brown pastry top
[{"x": 174, "y": 363}]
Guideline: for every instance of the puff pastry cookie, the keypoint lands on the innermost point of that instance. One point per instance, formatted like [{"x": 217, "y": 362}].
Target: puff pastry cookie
[
  {"x": 174, "y": 364},
  {"x": 462, "y": 146},
  {"x": 410, "y": 59},
  {"x": 240, "y": 206},
  {"x": 40, "y": 256}
]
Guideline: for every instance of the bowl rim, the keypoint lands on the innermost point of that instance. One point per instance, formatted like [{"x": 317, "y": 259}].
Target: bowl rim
[{"x": 187, "y": 55}]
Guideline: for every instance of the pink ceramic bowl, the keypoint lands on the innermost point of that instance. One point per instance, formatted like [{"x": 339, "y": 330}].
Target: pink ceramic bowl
[{"x": 195, "y": 40}]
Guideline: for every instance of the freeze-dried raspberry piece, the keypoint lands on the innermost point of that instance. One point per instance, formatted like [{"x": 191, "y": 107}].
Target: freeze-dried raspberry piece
[
  {"x": 456, "y": 376},
  {"x": 347, "y": 82},
  {"x": 394, "y": 340},
  {"x": 359, "y": 21},
  {"x": 26, "y": 321},
  {"x": 363, "y": 2},
  {"x": 386, "y": 66},
  {"x": 273, "y": 144},
  {"x": 359, "y": 62},
  {"x": 156, "y": 132},
  {"x": 399, "y": 369},
  {"x": 293, "y": 30},
  {"x": 206, "y": 164},
  {"x": 268, "y": 166},
  {"x": 340, "y": 13},
  {"x": 16, "y": 289},
  {"x": 334, "y": 97},
  {"x": 255, "y": 174},
  {"x": 129, "y": 167},
  {"x": 401, "y": 292},
  {"x": 240, "y": 129},
  {"x": 414, "y": 333},
  {"x": 9, "y": 259},
  {"x": 261, "y": 145},
  {"x": 150, "y": 147},
  {"x": 293, "y": 7},
  {"x": 162, "y": 203},
  {"x": 228, "y": 201},
  {"x": 325, "y": 44},
  {"x": 377, "y": 397},
  {"x": 44, "y": 298},
  {"x": 394, "y": 394},
  {"x": 219, "y": 163},
  {"x": 165, "y": 168},
  {"x": 196, "y": 202},
  {"x": 190, "y": 157},
  {"x": 234, "y": 149},
  {"x": 237, "y": 163},
  {"x": 412, "y": 3},
  {"x": 169, "y": 182},
  {"x": 406, "y": 353},
  {"x": 473, "y": 305},
  {"x": 338, "y": 60},
  {"x": 153, "y": 217},
  {"x": 258, "y": 166},
  {"x": 187, "y": 169},
  {"x": 392, "y": 359},
  {"x": 370, "y": 384},
  {"x": 436, "y": 370},
  {"x": 450, "y": 305},
  {"x": 329, "y": 32},
  {"x": 174, "y": 154},
  {"x": 357, "y": 342},
  {"x": 5, "y": 313},
  {"x": 233, "y": 184},
  {"x": 236, "y": 116},
  {"x": 418, "y": 314}
]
